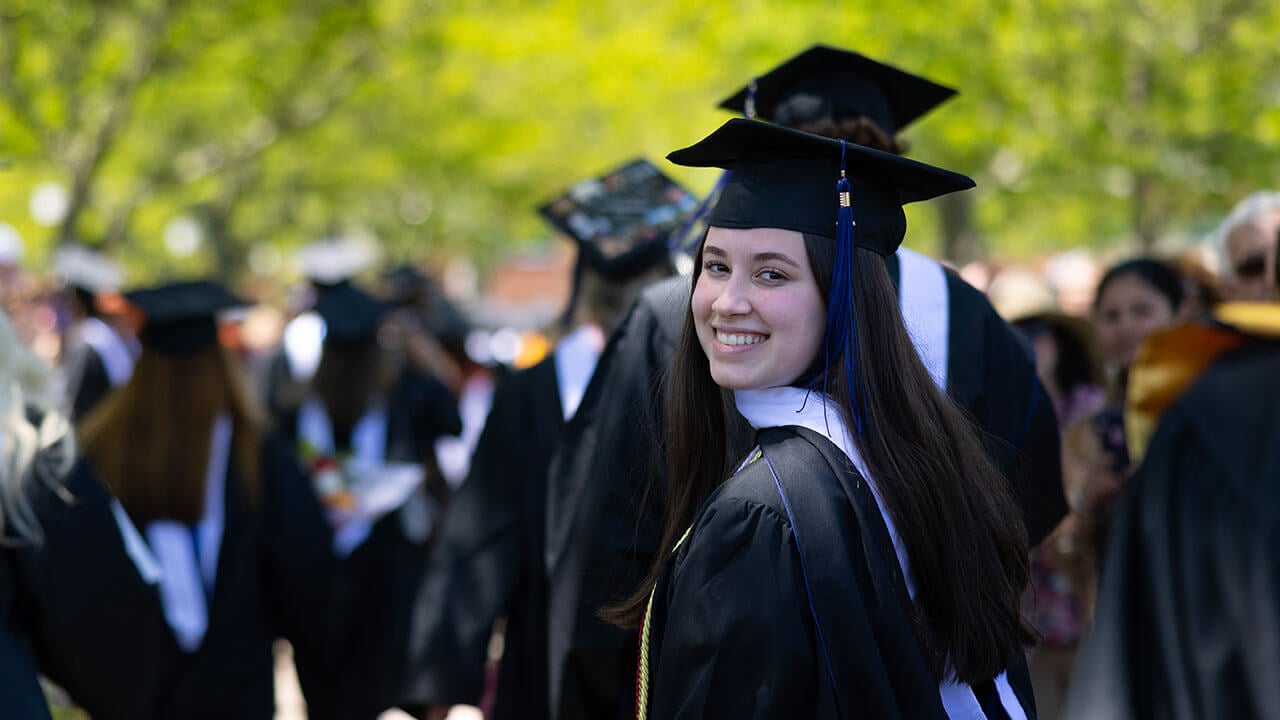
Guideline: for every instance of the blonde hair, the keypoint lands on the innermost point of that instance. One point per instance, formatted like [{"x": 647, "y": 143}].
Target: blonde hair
[{"x": 36, "y": 439}]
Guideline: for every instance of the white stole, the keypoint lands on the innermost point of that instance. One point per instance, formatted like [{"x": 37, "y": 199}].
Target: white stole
[
  {"x": 185, "y": 566},
  {"x": 117, "y": 358},
  {"x": 784, "y": 406},
  {"x": 922, "y": 296}
]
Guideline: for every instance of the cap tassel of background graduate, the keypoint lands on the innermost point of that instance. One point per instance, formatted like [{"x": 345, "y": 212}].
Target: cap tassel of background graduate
[{"x": 783, "y": 178}]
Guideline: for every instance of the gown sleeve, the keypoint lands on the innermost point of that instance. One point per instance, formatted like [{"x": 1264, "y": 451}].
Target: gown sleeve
[
  {"x": 473, "y": 566},
  {"x": 301, "y": 567},
  {"x": 736, "y": 641}
]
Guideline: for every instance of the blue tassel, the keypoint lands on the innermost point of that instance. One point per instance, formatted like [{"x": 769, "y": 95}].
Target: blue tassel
[{"x": 842, "y": 327}]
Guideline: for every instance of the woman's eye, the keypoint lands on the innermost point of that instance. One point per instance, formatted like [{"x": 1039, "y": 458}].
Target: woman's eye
[
  {"x": 715, "y": 266},
  {"x": 771, "y": 275}
]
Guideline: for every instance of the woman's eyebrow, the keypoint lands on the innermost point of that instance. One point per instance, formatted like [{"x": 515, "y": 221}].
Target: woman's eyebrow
[{"x": 780, "y": 257}]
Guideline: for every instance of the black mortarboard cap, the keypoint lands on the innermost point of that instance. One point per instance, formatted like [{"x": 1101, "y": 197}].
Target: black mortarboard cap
[
  {"x": 350, "y": 315},
  {"x": 786, "y": 178},
  {"x": 825, "y": 82},
  {"x": 181, "y": 317}
]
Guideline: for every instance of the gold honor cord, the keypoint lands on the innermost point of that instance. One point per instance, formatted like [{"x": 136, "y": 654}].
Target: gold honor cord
[
  {"x": 642, "y": 673},
  {"x": 642, "y": 676}
]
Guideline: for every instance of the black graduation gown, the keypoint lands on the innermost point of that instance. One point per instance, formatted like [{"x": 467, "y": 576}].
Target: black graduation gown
[
  {"x": 992, "y": 375},
  {"x": 488, "y": 560},
  {"x": 732, "y": 631},
  {"x": 363, "y": 667},
  {"x": 95, "y": 624},
  {"x": 599, "y": 542},
  {"x": 599, "y": 539},
  {"x": 99, "y": 629},
  {"x": 23, "y": 698},
  {"x": 87, "y": 377},
  {"x": 1188, "y": 614}
]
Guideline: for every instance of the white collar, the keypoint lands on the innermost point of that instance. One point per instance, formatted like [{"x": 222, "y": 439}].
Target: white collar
[
  {"x": 576, "y": 356},
  {"x": 784, "y": 406}
]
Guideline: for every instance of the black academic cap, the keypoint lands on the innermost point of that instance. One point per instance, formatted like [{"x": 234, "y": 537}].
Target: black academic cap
[
  {"x": 350, "y": 315},
  {"x": 182, "y": 317},
  {"x": 786, "y": 178},
  {"x": 825, "y": 82}
]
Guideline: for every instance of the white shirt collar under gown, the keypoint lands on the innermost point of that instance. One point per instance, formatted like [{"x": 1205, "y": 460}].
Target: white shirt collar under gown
[
  {"x": 185, "y": 562},
  {"x": 576, "y": 356},
  {"x": 783, "y": 406}
]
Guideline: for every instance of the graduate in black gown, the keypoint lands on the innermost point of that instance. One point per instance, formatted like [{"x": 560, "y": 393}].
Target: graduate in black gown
[
  {"x": 601, "y": 536},
  {"x": 866, "y": 558},
  {"x": 488, "y": 562},
  {"x": 36, "y": 449},
  {"x": 71, "y": 601},
  {"x": 1189, "y": 597},
  {"x": 365, "y": 428},
  {"x": 98, "y": 354},
  {"x": 215, "y": 514}
]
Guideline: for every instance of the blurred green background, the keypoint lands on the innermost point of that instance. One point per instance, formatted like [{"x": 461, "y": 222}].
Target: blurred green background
[{"x": 192, "y": 137}]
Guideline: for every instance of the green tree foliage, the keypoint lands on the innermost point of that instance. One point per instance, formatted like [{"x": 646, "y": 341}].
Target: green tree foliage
[{"x": 437, "y": 126}]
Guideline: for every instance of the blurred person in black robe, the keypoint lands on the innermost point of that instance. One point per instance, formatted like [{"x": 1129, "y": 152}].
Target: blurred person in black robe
[
  {"x": 601, "y": 534},
  {"x": 866, "y": 557},
  {"x": 98, "y": 353},
  {"x": 488, "y": 563},
  {"x": 367, "y": 421},
  {"x": 36, "y": 450},
  {"x": 1188, "y": 604},
  {"x": 215, "y": 515},
  {"x": 327, "y": 264}
]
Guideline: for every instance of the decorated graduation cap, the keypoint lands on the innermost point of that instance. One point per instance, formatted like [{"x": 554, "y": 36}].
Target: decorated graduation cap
[
  {"x": 182, "y": 317},
  {"x": 350, "y": 315},
  {"x": 794, "y": 180},
  {"x": 86, "y": 269},
  {"x": 620, "y": 221},
  {"x": 828, "y": 83}
]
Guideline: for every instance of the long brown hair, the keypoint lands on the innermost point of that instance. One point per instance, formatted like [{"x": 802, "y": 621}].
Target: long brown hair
[
  {"x": 950, "y": 504},
  {"x": 349, "y": 377},
  {"x": 149, "y": 441}
]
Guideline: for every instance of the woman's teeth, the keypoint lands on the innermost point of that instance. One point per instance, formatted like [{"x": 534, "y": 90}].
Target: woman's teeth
[{"x": 740, "y": 339}]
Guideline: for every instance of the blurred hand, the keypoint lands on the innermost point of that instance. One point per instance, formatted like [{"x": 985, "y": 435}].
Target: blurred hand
[{"x": 1089, "y": 476}]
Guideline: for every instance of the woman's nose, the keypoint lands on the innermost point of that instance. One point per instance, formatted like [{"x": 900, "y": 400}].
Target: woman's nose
[{"x": 732, "y": 299}]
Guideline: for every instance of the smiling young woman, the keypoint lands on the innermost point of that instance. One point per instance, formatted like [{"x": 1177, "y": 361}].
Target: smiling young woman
[
  {"x": 866, "y": 555},
  {"x": 755, "y": 292}
]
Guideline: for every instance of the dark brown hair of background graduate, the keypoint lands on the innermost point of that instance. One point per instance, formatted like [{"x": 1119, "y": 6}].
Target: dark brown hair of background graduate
[
  {"x": 952, "y": 507},
  {"x": 149, "y": 440}
]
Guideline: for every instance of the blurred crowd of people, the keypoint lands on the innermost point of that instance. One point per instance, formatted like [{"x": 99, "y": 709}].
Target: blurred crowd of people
[{"x": 190, "y": 475}]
